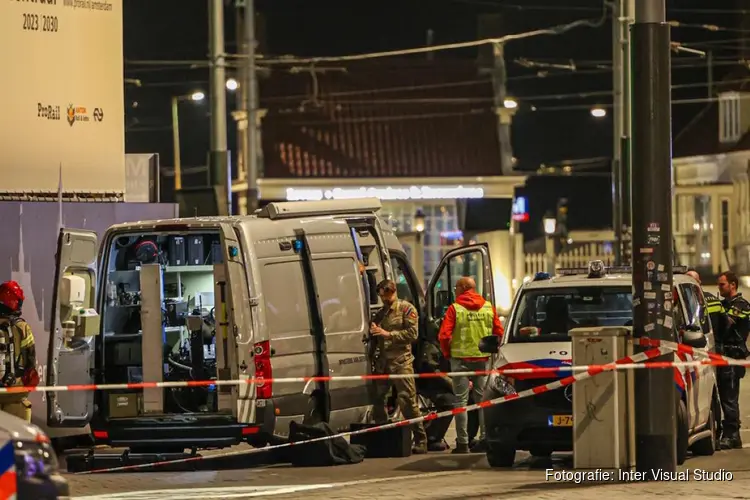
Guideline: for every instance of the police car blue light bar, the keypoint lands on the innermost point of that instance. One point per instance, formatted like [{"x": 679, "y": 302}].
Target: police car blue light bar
[{"x": 596, "y": 268}]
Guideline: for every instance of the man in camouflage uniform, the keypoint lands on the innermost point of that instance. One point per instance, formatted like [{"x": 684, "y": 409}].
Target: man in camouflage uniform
[
  {"x": 393, "y": 330},
  {"x": 22, "y": 370}
]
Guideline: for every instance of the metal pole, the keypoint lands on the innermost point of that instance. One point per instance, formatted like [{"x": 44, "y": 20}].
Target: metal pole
[
  {"x": 710, "y": 72},
  {"x": 176, "y": 145},
  {"x": 252, "y": 110},
  {"x": 626, "y": 193},
  {"x": 652, "y": 234},
  {"x": 504, "y": 115},
  {"x": 242, "y": 98},
  {"x": 549, "y": 249},
  {"x": 617, "y": 79},
  {"x": 219, "y": 157}
]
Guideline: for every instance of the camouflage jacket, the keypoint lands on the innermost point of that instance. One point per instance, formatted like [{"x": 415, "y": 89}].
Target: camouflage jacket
[{"x": 401, "y": 321}]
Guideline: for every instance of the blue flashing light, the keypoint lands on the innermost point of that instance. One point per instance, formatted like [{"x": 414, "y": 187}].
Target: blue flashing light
[
  {"x": 541, "y": 276},
  {"x": 233, "y": 251},
  {"x": 297, "y": 245},
  {"x": 212, "y": 388}
]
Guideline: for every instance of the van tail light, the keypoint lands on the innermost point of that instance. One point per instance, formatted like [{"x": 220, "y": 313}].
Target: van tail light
[{"x": 262, "y": 357}]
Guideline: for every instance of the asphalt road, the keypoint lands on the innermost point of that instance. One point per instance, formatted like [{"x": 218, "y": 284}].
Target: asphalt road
[{"x": 435, "y": 476}]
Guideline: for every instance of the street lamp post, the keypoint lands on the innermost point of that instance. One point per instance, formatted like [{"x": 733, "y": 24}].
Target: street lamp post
[
  {"x": 550, "y": 229},
  {"x": 195, "y": 96},
  {"x": 655, "y": 411}
]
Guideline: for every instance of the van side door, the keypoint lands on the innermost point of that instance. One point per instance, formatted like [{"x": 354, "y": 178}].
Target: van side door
[
  {"x": 71, "y": 349},
  {"x": 470, "y": 260}
]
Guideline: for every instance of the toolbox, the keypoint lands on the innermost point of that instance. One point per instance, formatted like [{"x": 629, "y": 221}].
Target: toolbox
[
  {"x": 195, "y": 251},
  {"x": 389, "y": 443},
  {"x": 176, "y": 251}
]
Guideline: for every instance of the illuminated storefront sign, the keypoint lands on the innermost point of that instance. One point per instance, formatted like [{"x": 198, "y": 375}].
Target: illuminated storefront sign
[{"x": 386, "y": 193}]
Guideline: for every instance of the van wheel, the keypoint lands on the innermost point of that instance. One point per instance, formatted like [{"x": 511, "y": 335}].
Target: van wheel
[
  {"x": 707, "y": 446},
  {"x": 501, "y": 456},
  {"x": 682, "y": 432}
]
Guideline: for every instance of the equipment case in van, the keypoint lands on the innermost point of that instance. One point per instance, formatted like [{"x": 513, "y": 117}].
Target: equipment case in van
[
  {"x": 195, "y": 251},
  {"x": 389, "y": 443},
  {"x": 177, "y": 251}
]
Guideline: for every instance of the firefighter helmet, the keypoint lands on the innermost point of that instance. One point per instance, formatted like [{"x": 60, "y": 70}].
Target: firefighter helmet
[{"x": 11, "y": 296}]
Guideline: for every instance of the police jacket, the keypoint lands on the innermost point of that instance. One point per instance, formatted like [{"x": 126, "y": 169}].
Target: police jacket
[
  {"x": 717, "y": 315},
  {"x": 738, "y": 316}
]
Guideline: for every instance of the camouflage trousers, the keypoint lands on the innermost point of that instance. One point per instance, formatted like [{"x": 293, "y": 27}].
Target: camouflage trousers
[{"x": 406, "y": 394}]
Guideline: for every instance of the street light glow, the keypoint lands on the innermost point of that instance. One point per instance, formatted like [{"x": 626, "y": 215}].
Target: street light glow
[
  {"x": 550, "y": 225},
  {"x": 198, "y": 96},
  {"x": 510, "y": 103},
  {"x": 598, "y": 112},
  {"x": 232, "y": 84}
]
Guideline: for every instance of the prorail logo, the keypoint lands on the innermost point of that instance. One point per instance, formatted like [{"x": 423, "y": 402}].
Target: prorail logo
[{"x": 48, "y": 111}]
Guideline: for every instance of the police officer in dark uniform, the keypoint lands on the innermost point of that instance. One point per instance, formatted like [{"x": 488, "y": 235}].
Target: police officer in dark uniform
[{"x": 732, "y": 343}]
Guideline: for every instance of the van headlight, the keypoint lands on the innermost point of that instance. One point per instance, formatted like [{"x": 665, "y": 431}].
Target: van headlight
[
  {"x": 35, "y": 459},
  {"x": 502, "y": 384}
]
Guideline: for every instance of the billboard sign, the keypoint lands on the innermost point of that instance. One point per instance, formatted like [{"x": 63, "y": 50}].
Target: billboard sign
[{"x": 62, "y": 93}]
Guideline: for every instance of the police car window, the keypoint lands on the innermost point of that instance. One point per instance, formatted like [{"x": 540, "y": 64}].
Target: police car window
[
  {"x": 548, "y": 314},
  {"x": 694, "y": 308}
]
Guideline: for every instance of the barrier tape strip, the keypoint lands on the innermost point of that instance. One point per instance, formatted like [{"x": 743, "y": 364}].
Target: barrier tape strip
[
  {"x": 592, "y": 371},
  {"x": 719, "y": 360},
  {"x": 714, "y": 360}
]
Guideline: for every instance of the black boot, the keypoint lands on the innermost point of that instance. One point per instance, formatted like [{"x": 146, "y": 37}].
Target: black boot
[{"x": 731, "y": 443}]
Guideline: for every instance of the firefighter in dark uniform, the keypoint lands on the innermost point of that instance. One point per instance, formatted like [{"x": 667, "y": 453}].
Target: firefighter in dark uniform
[
  {"x": 733, "y": 345},
  {"x": 17, "y": 351}
]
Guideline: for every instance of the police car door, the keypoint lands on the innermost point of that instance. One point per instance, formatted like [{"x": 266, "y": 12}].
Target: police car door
[
  {"x": 70, "y": 358},
  {"x": 470, "y": 260}
]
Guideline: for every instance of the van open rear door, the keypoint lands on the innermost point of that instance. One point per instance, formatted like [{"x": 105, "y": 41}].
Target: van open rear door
[
  {"x": 472, "y": 261},
  {"x": 70, "y": 358}
]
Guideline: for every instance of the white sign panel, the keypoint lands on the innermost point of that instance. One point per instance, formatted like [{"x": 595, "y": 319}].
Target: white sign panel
[
  {"x": 386, "y": 193},
  {"x": 62, "y": 92}
]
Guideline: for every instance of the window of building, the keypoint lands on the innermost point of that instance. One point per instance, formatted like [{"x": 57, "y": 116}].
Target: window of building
[
  {"x": 730, "y": 129},
  {"x": 286, "y": 306},
  {"x": 340, "y": 292}
]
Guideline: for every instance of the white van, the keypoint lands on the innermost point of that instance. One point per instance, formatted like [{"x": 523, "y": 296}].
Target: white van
[{"x": 277, "y": 294}]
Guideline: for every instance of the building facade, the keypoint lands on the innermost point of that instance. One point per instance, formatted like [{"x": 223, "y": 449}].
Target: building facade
[{"x": 420, "y": 135}]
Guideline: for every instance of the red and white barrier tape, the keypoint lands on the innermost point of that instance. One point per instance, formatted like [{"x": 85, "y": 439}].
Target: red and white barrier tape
[
  {"x": 714, "y": 360},
  {"x": 718, "y": 359},
  {"x": 593, "y": 370}
]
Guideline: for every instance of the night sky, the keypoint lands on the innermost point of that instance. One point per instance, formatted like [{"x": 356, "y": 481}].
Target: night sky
[{"x": 560, "y": 129}]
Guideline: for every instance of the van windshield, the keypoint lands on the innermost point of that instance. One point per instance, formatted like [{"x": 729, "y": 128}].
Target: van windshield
[{"x": 546, "y": 315}]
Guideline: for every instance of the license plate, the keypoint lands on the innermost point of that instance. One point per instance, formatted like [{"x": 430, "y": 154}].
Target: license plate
[{"x": 560, "y": 421}]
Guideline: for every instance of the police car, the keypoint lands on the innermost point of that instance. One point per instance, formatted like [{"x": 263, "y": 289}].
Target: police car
[{"x": 536, "y": 335}]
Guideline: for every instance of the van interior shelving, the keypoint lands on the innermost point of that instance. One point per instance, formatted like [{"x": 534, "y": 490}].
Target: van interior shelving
[{"x": 184, "y": 266}]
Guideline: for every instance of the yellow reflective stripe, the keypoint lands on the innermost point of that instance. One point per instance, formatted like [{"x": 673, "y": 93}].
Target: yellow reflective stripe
[
  {"x": 714, "y": 307},
  {"x": 27, "y": 341},
  {"x": 737, "y": 313}
]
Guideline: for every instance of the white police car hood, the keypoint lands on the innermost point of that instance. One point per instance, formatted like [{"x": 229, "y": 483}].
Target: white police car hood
[
  {"x": 531, "y": 355},
  {"x": 14, "y": 428}
]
